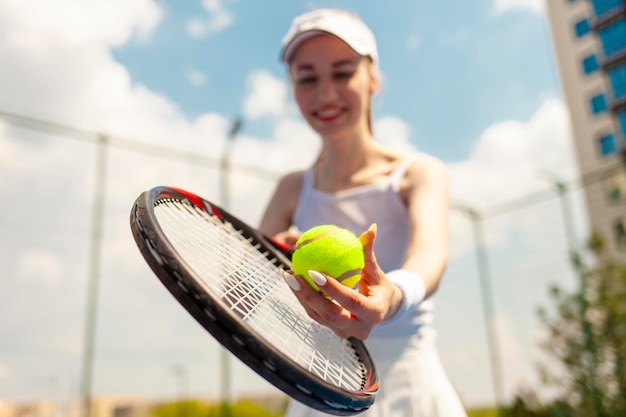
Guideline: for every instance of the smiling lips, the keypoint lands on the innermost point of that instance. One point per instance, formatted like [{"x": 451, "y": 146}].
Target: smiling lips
[{"x": 328, "y": 114}]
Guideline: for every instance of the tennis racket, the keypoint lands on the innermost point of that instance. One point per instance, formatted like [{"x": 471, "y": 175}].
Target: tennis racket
[{"x": 228, "y": 276}]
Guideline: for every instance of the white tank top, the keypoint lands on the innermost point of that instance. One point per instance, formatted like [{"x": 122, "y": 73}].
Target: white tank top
[{"x": 356, "y": 209}]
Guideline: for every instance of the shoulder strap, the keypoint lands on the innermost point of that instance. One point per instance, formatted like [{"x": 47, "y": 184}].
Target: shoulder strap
[
  {"x": 307, "y": 180},
  {"x": 401, "y": 169}
]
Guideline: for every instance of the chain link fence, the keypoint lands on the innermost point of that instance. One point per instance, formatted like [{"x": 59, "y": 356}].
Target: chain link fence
[{"x": 82, "y": 315}]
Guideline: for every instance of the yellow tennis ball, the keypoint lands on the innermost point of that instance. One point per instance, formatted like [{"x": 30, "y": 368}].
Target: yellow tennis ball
[{"x": 335, "y": 251}]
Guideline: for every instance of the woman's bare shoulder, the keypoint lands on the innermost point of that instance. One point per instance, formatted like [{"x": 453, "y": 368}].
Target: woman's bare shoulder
[
  {"x": 291, "y": 182},
  {"x": 425, "y": 165}
]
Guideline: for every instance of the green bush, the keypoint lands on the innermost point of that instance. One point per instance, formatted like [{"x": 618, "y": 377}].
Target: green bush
[{"x": 193, "y": 408}]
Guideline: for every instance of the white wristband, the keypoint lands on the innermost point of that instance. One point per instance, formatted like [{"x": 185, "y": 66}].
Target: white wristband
[{"x": 413, "y": 291}]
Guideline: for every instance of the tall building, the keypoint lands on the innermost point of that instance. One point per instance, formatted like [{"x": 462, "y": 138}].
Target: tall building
[{"x": 589, "y": 39}]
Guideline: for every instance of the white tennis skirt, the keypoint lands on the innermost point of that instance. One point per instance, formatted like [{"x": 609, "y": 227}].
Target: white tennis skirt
[{"x": 413, "y": 382}]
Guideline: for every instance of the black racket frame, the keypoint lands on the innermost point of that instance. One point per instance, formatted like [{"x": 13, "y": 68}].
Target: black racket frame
[{"x": 221, "y": 323}]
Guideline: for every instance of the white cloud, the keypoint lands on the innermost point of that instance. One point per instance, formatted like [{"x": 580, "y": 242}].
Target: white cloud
[
  {"x": 413, "y": 42},
  {"x": 456, "y": 39},
  {"x": 503, "y": 6},
  {"x": 218, "y": 19},
  {"x": 5, "y": 373},
  {"x": 510, "y": 161},
  {"x": 83, "y": 86},
  {"x": 394, "y": 133},
  {"x": 509, "y": 156},
  {"x": 7, "y": 149},
  {"x": 63, "y": 70},
  {"x": 195, "y": 77},
  {"x": 74, "y": 21},
  {"x": 40, "y": 266},
  {"x": 267, "y": 95}
]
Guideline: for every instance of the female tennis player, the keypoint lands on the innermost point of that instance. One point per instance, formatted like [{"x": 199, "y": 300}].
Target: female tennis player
[{"x": 398, "y": 202}]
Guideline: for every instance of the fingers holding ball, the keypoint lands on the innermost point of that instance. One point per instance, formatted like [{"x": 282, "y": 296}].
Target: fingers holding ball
[{"x": 330, "y": 249}]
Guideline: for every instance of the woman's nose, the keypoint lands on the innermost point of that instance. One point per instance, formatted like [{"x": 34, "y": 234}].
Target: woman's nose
[{"x": 327, "y": 90}]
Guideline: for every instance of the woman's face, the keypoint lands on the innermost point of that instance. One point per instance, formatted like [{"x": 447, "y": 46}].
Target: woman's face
[{"x": 332, "y": 86}]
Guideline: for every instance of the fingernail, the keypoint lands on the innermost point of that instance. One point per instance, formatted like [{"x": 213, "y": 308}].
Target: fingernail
[
  {"x": 291, "y": 281},
  {"x": 365, "y": 238},
  {"x": 318, "y": 278}
]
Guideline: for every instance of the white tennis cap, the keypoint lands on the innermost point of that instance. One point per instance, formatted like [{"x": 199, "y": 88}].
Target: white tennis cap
[{"x": 339, "y": 23}]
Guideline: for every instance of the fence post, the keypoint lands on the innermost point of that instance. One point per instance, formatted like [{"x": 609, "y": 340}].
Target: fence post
[
  {"x": 493, "y": 340},
  {"x": 95, "y": 255}
]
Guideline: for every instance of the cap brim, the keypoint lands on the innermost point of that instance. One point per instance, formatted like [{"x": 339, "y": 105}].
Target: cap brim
[{"x": 291, "y": 47}]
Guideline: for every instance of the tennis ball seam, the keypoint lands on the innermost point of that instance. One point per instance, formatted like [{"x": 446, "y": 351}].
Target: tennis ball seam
[
  {"x": 348, "y": 274},
  {"x": 318, "y": 237}
]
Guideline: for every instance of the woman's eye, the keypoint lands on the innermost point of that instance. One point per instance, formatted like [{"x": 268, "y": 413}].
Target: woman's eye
[
  {"x": 344, "y": 75},
  {"x": 307, "y": 80}
]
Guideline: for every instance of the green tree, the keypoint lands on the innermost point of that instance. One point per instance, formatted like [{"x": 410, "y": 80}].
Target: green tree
[{"x": 587, "y": 342}]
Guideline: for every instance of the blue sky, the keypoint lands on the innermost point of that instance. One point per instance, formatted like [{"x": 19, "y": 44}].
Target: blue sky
[
  {"x": 471, "y": 81},
  {"x": 451, "y": 68}
]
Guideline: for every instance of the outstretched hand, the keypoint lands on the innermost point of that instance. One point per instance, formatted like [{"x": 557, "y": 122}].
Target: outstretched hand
[{"x": 346, "y": 311}]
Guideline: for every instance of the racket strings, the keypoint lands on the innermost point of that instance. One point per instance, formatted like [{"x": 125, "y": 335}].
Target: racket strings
[{"x": 235, "y": 269}]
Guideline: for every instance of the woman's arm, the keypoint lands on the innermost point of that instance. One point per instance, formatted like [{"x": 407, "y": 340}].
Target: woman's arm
[
  {"x": 278, "y": 216},
  {"x": 380, "y": 297},
  {"x": 425, "y": 190}
]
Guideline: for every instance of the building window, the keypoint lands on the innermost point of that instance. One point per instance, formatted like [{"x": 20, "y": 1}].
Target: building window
[
  {"x": 590, "y": 64},
  {"x": 613, "y": 37},
  {"x": 619, "y": 232},
  {"x": 582, "y": 28},
  {"x": 598, "y": 104},
  {"x": 603, "y": 6},
  {"x": 615, "y": 187},
  {"x": 607, "y": 144},
  {"x": 617, "y": 76}
]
